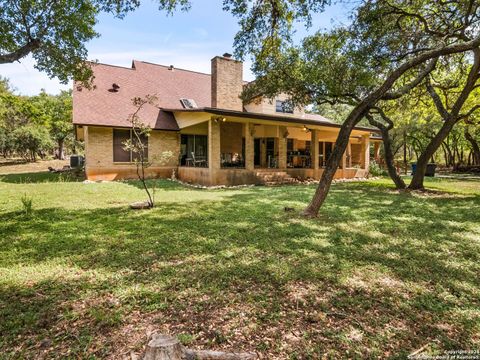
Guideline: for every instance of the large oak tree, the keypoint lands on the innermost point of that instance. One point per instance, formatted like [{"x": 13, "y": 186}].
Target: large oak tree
[{"x": 369, "y": 60}]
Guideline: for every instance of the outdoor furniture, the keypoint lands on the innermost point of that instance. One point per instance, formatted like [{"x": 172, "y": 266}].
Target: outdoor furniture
[
  {"x": 272, "y": 162},
  {"x": 226, "y": 158},
  {"x": 234, "y": 160},
  {"x": 297, "y": 160},
  {"x": 197, "y": 162}
]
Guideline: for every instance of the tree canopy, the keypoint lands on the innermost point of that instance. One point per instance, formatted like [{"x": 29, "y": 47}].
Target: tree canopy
[
  {"x": 32, "y": 126},
  {"x": 55, "y": 32}
]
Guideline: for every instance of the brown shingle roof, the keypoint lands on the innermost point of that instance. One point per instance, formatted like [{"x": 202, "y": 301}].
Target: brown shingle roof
[
  {"x": 106, "y": 108},
  {"x": 101, "y": 107}
]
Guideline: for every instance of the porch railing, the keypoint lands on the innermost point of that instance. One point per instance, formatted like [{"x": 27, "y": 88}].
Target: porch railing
[{"x": 299, "y": 161}]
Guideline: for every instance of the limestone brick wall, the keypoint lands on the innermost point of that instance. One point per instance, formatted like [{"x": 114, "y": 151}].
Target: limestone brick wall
[
  {"x": 213, "y": 144},
  {"x": 356, "y": 154},
  {"x": 231, "y": 135},
  {"x": 162, "y": 142},
  {"x": 99, "y": 146},
  {"x": 268, "y": 106},
  {"x": 249, "y": 132},
  {"x": 227, "y": 83},
  {"x": 99, "y": 154}
]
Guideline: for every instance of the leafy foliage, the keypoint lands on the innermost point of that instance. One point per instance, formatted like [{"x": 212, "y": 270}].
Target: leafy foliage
[
  {"x": 55, "y": 32},
  {"x": 27, "y": 205},
  {"x": 387, "y": 50},
  {"x": 32, "y": 140},
  {"x": 30, "y": 125}
]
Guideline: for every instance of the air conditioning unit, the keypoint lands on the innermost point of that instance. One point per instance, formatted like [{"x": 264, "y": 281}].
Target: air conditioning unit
[{"x": 76, "y": 161}]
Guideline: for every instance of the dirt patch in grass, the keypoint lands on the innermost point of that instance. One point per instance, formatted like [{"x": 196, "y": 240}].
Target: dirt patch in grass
[{"x": 16, "y": 166}]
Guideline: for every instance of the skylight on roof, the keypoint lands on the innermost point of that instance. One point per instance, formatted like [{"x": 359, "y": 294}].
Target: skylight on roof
[{"x": 188, "y": 103}]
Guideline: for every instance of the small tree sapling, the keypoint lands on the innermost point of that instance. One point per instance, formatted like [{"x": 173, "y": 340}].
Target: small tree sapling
[{"x": 138, "y": 146}]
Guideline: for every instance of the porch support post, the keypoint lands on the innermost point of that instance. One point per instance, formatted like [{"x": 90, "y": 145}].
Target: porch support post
[
  {"x": 365, "y": 152},
  {"x": 213, "y": 144},
  {"x": 249, "y": 132},
  {"x": 282, "y": 147},
  {"x": 314, "y": 149},
  {"x": 263, "y": 153}
]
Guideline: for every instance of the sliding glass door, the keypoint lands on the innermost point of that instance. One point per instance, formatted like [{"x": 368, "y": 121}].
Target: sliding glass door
[{"x": 194, "y": 150}]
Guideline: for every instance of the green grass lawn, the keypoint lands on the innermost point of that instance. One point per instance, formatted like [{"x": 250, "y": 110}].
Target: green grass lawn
[{"x": 378, "y": 275}]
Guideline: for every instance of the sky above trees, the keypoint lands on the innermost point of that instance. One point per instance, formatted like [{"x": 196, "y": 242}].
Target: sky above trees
[{"x": 186, "y": 40}]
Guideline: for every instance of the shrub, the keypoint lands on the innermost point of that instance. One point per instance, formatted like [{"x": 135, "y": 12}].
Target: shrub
[
  {"x": 27, "y": 205},
  {"x": 32, "y": 140},
  {"x": 376, "y": 170},
  {"x": 7, "y": 145}
]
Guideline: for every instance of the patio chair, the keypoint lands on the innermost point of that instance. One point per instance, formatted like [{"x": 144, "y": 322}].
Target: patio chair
[
  {"x": 199, "y": 162},
  {"x": 227, "y": 159}
]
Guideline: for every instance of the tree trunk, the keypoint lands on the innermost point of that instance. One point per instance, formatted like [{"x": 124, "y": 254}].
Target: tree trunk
[
  {"x": 60, "y": 149},
  {"x": 405, "y": 164},
  {"x": 163, "y": 347},
  {"x": 449, "y": 118},
  {"x": 445, "y": 156},
  {"x": 475, "y": 147},
  {"x": 389, "y": 160},
  {"x": 387, "y": 147},
  {"x": 334, "y": 160},
  {"x": 21, "y": 52},
  {"x": 449, "y": 159},
  {"x": 433, "y": 145}
]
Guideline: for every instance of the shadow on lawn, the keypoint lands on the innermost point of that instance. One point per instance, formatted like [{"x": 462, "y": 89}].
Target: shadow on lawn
[
  {"x": 380, "y": 259},
  {"x": 40, "y": 177}
]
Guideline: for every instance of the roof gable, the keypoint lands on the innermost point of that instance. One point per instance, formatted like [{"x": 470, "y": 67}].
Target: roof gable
[{"x": 106, "y": 107}]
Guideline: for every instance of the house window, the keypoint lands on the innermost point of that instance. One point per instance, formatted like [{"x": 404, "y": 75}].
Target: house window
[
  {"x": 307, "y": 147},
  {"x": 283, "y": 107},
  {"x": 120, "y": 136},
  {"x": 289, "y": 145},
  {"x": 194, "y": 150}
]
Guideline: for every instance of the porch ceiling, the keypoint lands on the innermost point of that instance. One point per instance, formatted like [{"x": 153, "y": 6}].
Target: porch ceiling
[{"x": 188, "y": 117}]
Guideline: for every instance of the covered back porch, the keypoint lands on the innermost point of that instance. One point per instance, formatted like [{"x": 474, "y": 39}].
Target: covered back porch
[{"x": 225, "y": 150}]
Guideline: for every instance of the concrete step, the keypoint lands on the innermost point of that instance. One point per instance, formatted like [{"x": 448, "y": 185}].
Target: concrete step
[{"x": 274, "y": 177}]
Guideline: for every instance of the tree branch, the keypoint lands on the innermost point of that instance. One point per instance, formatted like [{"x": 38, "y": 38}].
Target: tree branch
[
  {"x": 21, "y": 52},
  {"x": 470, "y": 112},
  {"x": 470, "y": 84},
  {"x": 436, "y": 99},
  {"x": 384, "y": 117},
  {"x": 405, "y": 89}
]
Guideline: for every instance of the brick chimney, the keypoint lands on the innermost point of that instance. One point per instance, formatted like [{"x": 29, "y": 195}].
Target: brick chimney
[{"x": 227, "y": 83}]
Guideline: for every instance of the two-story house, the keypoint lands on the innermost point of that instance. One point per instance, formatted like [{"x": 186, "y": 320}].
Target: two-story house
[{"x": 213, "y": 137}]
